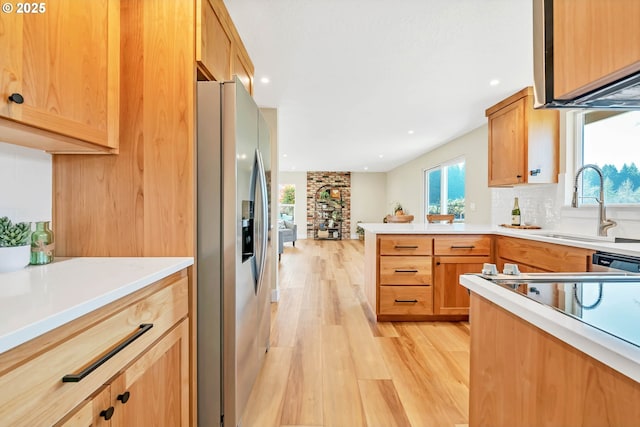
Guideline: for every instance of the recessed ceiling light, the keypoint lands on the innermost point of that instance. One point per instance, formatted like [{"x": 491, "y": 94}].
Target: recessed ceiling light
[
  {"x": 380, "y": 155},
  {"x": 366, "y": 168},
  {"x": 284, "y": 155},
  {"x": 264, "y": 80},
  {"x": 494, "y": 82},
  {"x": 411, "y": 132}
]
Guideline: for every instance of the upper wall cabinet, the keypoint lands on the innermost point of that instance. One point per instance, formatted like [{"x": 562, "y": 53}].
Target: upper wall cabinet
[
  {"x": 595, "y": 42},
  {"x": 523, "y": 142},
  {"x": 220, "y": 52},
  {"x": 59, "y": 80}
]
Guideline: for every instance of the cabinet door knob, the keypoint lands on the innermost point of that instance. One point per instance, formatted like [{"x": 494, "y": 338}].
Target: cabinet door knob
[
  {"x": 16, "y": 97},
  {"x": 518, "y": 176},
  {"x": 124, "y": 397},
  {"x": 107, "y": 413}
]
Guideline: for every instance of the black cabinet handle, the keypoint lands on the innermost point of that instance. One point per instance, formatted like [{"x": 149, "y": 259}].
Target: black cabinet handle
[
  {"x": 518, "y": 176},
  {"x": 107, "y": 413},
  {"x": 407, "y": 300},
  {"x": 74, "y": 378},
  {"x": 124, "y": 397},
  {"x": 405, "y": 247},
  {"x": 405, "y": 271},
  {"x": 438, "y": 263},
  {"x": 16, "y": 97},
  {"x": 462, "y": 247}
]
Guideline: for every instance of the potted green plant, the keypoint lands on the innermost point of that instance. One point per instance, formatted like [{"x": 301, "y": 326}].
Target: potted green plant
[
  {"x": 397, "y": 209},
  {"x": 15, "y": 245},
  {"x": 360, "y": 231}
]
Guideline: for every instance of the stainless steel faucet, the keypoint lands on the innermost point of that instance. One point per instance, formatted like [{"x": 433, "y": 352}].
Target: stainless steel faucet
[{"x": 603, "y": 223}]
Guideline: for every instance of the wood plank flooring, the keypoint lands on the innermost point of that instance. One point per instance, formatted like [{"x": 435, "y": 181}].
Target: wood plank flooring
[{"x": 332, "y": 365}]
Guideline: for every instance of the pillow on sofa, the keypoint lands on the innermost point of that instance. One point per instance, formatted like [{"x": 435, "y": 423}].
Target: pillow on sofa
[
  {"x": 288, "y": 224},
  {"x": 281, "y": 225}
]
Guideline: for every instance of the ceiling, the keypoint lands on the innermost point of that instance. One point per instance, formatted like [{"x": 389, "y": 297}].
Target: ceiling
[{"x": 367, "y": 85}]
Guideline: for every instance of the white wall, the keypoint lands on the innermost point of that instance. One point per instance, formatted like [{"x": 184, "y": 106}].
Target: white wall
[
  {"x": 405, "y": 183},
  {"x": 299, "y": 179},
  {"x": 25, "y": 184},
  {"x": 368, "y": 198}
]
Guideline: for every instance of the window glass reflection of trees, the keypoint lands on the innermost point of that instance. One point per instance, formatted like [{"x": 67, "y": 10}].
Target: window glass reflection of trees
[
  {"x": 611, "y": 140},
  {"x": 445, "y": 190},
  {"x": 286, "y": 202}
]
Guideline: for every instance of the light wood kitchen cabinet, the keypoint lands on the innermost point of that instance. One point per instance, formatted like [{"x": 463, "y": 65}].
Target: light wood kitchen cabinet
[
  {"x": 523, "y": 376},
  {"x": 456, "y": 255},
  {"x": 59, "y": 90},
  {"x": 94, "y": 412},
  {"x": 535, "y": 257},
  {"x": 595, "y": 42},
  {"x": 523, "y": 142},
  {"x": 138, "y": 345},
  {"x": 404, "y": 288},
  {"x": 220, "y": 53}
]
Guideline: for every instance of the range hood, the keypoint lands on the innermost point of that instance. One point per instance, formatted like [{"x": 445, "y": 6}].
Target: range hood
[{"x": 620, "y": 90}]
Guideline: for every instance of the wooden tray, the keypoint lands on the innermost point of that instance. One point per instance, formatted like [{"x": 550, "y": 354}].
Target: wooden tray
[
  {"x": 522, "y": 227},
  {"x": 399, "y": 218}
]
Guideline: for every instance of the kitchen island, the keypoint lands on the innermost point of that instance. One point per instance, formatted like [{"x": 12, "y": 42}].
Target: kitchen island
[
  {"x": 87, "y": 339},
  {"x": 411, "y": 270},
  {"x": 534, "y": 365}
]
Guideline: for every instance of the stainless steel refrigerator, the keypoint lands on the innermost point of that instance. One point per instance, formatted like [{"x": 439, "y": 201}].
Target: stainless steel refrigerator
[{"x": 234, "y": 254}]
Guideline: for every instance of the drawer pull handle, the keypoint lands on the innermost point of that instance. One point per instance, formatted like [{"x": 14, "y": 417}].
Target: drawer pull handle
[
  {"x": 74, "y": 378},
  {"x": 407, "y": 300},
  {"x": 124, "y": 397},
  {"x": 107, "y": 413},
  {"x": 406, "y": 247},
  {"x": 405, "y": 271},
  {"x": 462, "y": 247}
]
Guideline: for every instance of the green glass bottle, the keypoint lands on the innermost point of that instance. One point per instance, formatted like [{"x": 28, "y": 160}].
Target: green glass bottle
[
  {"x": 42, "y": 245},
  {"x": 515, "y": 213}
]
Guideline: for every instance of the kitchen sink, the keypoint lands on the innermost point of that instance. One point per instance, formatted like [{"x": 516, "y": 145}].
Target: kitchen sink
[{"x": 595, "y": 239}]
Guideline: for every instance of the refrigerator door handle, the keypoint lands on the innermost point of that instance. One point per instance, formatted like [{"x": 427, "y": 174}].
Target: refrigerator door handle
[{"x": 265, "y": 218}]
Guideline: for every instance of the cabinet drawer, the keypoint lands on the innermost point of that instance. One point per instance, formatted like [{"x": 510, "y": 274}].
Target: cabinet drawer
[
  {"x": 406, "y": 300},
  {"x": 405, "y": 270},
  {"x": 33, "y": 393},
  {"x": 405, "y": 245},
  {"x": 462, "y": 245}
]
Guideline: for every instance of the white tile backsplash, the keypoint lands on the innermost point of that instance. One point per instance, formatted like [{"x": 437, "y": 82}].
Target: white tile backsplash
[
  {"x": 547, "y": 206},
  {"x": 25, "y": 183}
]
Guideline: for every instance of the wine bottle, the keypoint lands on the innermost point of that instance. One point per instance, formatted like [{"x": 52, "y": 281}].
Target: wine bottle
[{"x": 515, "y": 213}]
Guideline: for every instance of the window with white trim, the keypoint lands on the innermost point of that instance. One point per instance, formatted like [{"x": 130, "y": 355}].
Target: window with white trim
[
  {"x": 445, "y": 189},
  {"x": 611, "y": 141}
]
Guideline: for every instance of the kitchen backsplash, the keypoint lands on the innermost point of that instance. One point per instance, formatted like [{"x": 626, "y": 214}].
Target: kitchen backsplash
[
  {"x": 544, "y": 205},
  {"x": 25, "y": 183}
]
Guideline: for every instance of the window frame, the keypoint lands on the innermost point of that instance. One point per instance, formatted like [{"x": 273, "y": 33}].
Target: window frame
[
  {"x": 444, "y": 187},
  {"x": 578, "y": 161}
]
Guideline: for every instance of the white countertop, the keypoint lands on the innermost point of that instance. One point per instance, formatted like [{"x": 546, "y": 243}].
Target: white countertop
[
  {"x": 616, "y": 353},
  {"x": 601, "y": 243},
  {"x": 38, "y": 299}
]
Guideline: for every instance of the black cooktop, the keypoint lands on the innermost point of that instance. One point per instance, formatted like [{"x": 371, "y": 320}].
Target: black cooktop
[{"x": 611, "y": 306}]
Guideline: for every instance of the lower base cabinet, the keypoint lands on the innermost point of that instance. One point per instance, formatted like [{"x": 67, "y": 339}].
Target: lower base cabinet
[
  {"x": 144, "y": 382},
  {"x": 145, "y": 393},
  {"x": 450, "y": 297}
]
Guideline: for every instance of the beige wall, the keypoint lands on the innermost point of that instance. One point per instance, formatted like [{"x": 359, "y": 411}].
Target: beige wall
[
  {"x": 299, "y": 179},
  {"x": 405, "y": 184},
  {"x": 368, "y": 198}
]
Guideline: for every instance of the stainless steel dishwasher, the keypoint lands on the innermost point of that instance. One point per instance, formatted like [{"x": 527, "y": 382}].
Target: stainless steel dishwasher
[{"x": 610, "y": 262}]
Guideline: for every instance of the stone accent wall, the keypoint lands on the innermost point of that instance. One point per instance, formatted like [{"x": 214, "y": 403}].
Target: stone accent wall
[{"x": 341, "y": 180}]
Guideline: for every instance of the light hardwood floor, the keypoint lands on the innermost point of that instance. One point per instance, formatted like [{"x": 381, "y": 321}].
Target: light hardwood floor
[{"x": 331, "y": 364}]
